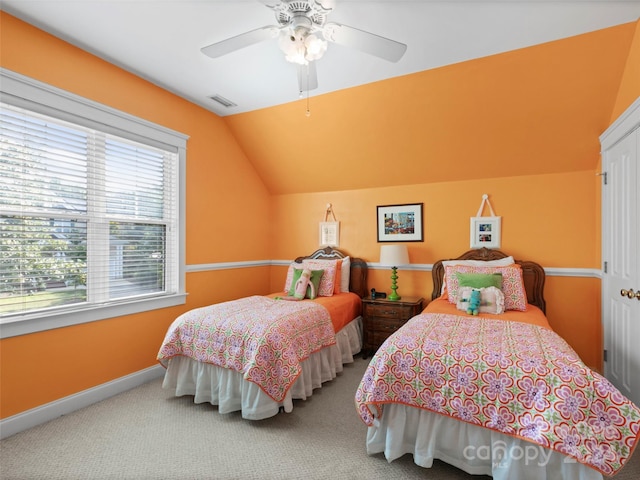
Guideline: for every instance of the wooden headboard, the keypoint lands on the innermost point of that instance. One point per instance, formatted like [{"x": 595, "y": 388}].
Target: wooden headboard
[
  {"x": 532, "y": 273},
  {"x": 358, "y": 276}
]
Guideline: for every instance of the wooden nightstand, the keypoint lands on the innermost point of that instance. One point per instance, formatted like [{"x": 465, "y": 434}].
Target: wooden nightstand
[{"x": 382, "y": 317}]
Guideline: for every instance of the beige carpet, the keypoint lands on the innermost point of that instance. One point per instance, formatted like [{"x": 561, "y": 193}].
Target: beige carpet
[{"x": 148, "y": 434}]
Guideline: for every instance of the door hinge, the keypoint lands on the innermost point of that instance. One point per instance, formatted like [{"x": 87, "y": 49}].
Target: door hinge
[
  {"x": 606, "y": 266},
  {"x": 604, "y": 176},
  {"x": 604, "y": 355}
]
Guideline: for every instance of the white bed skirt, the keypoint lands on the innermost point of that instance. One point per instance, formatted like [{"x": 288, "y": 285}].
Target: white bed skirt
[
  {"x": 476, "y": 450},
  {"x": 227, "y": 389}
]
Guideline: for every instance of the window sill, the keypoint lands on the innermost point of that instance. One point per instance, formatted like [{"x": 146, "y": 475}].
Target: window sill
[{"x": 13, "y": 327}]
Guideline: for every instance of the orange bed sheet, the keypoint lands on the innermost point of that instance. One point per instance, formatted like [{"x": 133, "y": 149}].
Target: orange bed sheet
[
  {"x": 343, "y": 307},
  {"x": 533, "y": 315}
]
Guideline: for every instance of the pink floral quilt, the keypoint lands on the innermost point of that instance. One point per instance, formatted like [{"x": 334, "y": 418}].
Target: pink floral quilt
[
  {"x": 511, "y": 377},
  {"x": 262, "y": 338}
]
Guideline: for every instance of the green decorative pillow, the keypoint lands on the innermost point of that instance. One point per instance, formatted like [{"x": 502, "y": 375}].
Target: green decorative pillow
[
  {"x": 312, "y": 287},
  {"x": 479, "y": 280}
]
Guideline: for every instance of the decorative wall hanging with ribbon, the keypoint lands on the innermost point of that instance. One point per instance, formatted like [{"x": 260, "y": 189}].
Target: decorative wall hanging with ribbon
[
  {"x": 329, "y": 231},
  {"x": 485, "y": 231}
]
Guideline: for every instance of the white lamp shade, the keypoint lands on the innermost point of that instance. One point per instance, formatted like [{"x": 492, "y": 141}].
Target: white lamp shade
[{"x": 394, "y": 255}]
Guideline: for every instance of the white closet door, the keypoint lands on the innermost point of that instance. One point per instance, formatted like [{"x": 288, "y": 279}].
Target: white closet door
[{"x": 621, "y": 254}]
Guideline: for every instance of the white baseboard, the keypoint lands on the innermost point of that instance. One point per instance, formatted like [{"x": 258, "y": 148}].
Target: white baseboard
[{"x": 36, "y": 416}]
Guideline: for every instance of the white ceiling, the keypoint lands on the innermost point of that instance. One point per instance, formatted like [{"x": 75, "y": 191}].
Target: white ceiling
[{"x": 161, "y": 40}]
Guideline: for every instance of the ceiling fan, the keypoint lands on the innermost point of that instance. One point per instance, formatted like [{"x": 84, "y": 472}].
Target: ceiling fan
[{"x": 303, "y": 35}]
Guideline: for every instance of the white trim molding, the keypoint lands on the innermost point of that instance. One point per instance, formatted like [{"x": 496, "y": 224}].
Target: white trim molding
[
  {"x": 625, "y": 123},
  {"x": 574, "y": 272},
  {"x": 50, "y": 411},
  {"x": 550, "y": 271},
  {"x": 203, "y": 267}
]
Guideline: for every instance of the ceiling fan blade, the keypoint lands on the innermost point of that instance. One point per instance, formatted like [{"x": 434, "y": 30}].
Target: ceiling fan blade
[
  {"x": 307, "y": 77},
  {"x": 243, "y": 40},
  {"x": 364, "y": 41}
]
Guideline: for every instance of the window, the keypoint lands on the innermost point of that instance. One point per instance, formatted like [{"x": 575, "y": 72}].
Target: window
[{"x": 90, "y": 204}]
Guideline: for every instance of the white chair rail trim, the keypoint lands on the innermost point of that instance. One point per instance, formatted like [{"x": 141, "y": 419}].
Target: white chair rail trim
[{"x": 425, "y": 267}]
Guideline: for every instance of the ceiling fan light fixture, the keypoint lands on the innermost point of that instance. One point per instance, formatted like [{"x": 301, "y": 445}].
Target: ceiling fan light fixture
[
  {"x": 300, "y": 46},
  {"x": 291, "y": 42},
  {"x": 315, "y": 47}
]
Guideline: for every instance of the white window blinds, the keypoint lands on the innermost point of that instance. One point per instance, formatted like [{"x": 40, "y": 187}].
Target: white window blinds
[{"x": 86, "y": 217}]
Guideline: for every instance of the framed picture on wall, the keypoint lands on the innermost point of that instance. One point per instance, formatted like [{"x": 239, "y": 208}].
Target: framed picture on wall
[
  {"x": 329, "y": 234},
  {"x": 400, "y": 223},
  {"x": 485, "y": 232}
]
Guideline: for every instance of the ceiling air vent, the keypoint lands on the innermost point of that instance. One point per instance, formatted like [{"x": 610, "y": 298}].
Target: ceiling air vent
[{"x": 223, "y": 101}]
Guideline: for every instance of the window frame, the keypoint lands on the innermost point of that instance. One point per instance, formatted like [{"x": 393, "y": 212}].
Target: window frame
[{"x": 21, "y": 91}]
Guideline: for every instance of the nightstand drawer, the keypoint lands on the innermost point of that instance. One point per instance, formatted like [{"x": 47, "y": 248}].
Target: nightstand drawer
[
  {"x": 404, "y": 312},
  {"x": 381, "y": 324}
]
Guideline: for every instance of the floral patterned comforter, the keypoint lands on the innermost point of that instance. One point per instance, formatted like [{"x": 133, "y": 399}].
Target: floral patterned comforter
[
  {"x": 262, "y": 338},
  {"x": 511, "y": 377}
]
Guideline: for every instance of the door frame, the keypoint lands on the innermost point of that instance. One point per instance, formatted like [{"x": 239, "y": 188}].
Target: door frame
[{"x": 628, "y": 121}]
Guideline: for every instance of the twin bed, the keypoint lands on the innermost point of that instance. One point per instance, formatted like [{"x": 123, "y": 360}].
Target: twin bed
[
  {"x": 257, "y": 354},
  {"x": 498, "y": 393}
]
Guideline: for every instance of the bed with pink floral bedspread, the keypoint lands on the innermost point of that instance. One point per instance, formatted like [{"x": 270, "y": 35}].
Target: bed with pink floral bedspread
[
  {"x": 263, "y": 338},
  {"x": 497, "y": 395},
  {"x": 257, "y": 354},
  {"x": 514, "y": 378}
]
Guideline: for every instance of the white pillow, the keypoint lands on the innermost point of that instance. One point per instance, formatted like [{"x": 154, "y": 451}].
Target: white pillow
[
  {"x": 345, "y": 271},
  {"x": 502, "y": 262},
  {"x": 491, "y": 299}
]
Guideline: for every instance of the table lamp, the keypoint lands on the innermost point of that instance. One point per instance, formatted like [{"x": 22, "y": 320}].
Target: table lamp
[{"x": 394, "y": 256}]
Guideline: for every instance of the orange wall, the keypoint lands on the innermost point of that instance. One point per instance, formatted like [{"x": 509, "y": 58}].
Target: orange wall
[
  {"x": 537, "y": 211},
  {"x": 549, "y": 218},
  {"x": 630, "y": 83},
  {"x": 46, "y": 366}
]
